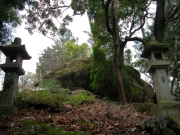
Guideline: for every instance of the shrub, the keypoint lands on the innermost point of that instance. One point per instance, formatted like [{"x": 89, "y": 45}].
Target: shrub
[
  {"x": 80, "y": 98},
  {"x": 127, "y": 80},
  {"x": 34, "y": 128},
  {"x": 52, "y": 95}
]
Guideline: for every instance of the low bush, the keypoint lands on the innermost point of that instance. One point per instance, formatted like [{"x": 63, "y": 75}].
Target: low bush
[
  {"x": 79, "y": 99},
  {"x": 34, "y": 128}
]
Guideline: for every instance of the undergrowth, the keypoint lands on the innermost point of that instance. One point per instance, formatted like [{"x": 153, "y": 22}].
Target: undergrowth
[
  {"x": 29, "y": 127},
  {"x": 80, "y": 98},
  {"x": 53, "y": 96}
]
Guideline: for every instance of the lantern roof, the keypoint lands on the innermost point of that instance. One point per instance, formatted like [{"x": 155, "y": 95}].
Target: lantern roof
[
  {"x": 14, "y": 49},
  {"x": 153, "y": 45}
]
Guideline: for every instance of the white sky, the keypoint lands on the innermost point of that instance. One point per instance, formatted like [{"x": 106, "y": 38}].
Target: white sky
[{"x": 36, "y": 43}]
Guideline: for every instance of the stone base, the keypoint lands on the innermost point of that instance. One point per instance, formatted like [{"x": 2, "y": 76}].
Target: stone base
[
  {"x": 166, "y": 108},
  {"x": 9, "y": 108}
]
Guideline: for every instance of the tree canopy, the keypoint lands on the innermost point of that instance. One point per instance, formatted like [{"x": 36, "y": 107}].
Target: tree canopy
[
  {"x": 52, "y": 57},
  {"x": 9, "y": 18},
  {"x": 121, "y": 19}
]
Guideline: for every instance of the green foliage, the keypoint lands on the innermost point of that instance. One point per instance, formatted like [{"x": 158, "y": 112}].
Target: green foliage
[
  {"x": 73, "y": 51},
  {"x": 3, "y": 114},
  {"x": 52, "y": 95},
  {"x": 9, "y": 18},
  {"x": 26, "y": 81},
  {"x": 39, "y": 97},
  {"x": 101, "y": 65},
  {"x": 129, "y": 87},
  {"x": 101, "y": 73},
  {"x": 34, "y": 128},
  {"x": 79, "y": 99},
  {"x": 53, "y": 57},
  {"x": 53, "y": 87},
  {"x": 127, "y": 57}
]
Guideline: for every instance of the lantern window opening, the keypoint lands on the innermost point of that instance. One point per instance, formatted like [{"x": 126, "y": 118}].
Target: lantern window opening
[
  {"x": 14, "y": 60},
  {"x": 159, "y": 55}
]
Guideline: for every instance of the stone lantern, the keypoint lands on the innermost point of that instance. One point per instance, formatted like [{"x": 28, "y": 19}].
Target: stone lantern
[
  {"x": 15, "y": 54},
  {"x": 155, "y": 52}
]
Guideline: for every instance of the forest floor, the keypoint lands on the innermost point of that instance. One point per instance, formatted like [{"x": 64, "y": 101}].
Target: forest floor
[{"x": 98, "y": 118}]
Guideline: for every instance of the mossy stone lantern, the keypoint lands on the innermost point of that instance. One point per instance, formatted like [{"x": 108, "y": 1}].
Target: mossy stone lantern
[
  {"x": 15, "y": 54},
  {"x": 155, "y": 53}
]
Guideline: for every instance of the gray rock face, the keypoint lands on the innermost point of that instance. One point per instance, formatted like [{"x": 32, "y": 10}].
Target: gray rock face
[{"x": 157, "y": 125}]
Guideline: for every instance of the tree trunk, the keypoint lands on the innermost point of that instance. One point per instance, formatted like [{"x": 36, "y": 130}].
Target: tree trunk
[
  {"x": 159, "y": 24},
  {"x": 116, "y": 54},
  {"x": 121, "y": 57}
]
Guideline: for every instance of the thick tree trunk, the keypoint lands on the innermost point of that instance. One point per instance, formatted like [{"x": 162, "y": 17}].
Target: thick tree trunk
[
  {"x": 121, "y": 57},
  {"x": 159, "y": 24},
  {"x": 116, "y": 54}
]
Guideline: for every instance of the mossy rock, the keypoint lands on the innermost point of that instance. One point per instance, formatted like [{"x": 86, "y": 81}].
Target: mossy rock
[
  {"x": 175, "y": 124},
  {"x": 143, "y": 107},
  {"x": 81, "y": 91},
  {"x": 74, "y": 73},
  {"x": 167, "y": 131}
]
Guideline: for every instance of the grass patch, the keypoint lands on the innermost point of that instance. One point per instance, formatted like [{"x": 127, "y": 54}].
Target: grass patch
[{"x": 28, "y": 127}]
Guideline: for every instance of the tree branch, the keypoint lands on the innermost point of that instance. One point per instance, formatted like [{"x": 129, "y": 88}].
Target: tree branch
[
  {"x": 170, "y": 18},
  {"x": 143, "y": 18},
  {"x": 140, "y": 1},
  {"x": 106, "y": 7},
  {"x": 59, "y": 7},
  {"x": 135, "y": 38}
]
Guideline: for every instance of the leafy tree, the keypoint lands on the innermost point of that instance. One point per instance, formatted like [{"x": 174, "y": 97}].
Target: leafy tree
[
  {"x": 91, "y": 40},
  {"x": 165, "y": 29},
  {"x": 26, "y": 81},
  {"x": 172, "y": 36},
  {"x": 9, "y": 18},
  {"x": 73, "y": 51},
  {"x": 52, "y": 58},
  {"x": 121, "y": 23},
  {"x": 101, "y": 66}
]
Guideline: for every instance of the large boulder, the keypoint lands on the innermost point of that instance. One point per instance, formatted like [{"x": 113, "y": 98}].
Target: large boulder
[{"x": 73, "y": 74}]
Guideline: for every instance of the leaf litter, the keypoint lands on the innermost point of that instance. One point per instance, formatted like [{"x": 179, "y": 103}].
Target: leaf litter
[{"x": 99, "y": 118}]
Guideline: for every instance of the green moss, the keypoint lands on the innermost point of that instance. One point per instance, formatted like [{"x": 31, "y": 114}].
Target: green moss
[
  {"x": 80, "y": 98},
  {"x": 73, "y": 65},
  {"x": 34, "y": 128},
  {"x": 167, "y": 131}
]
